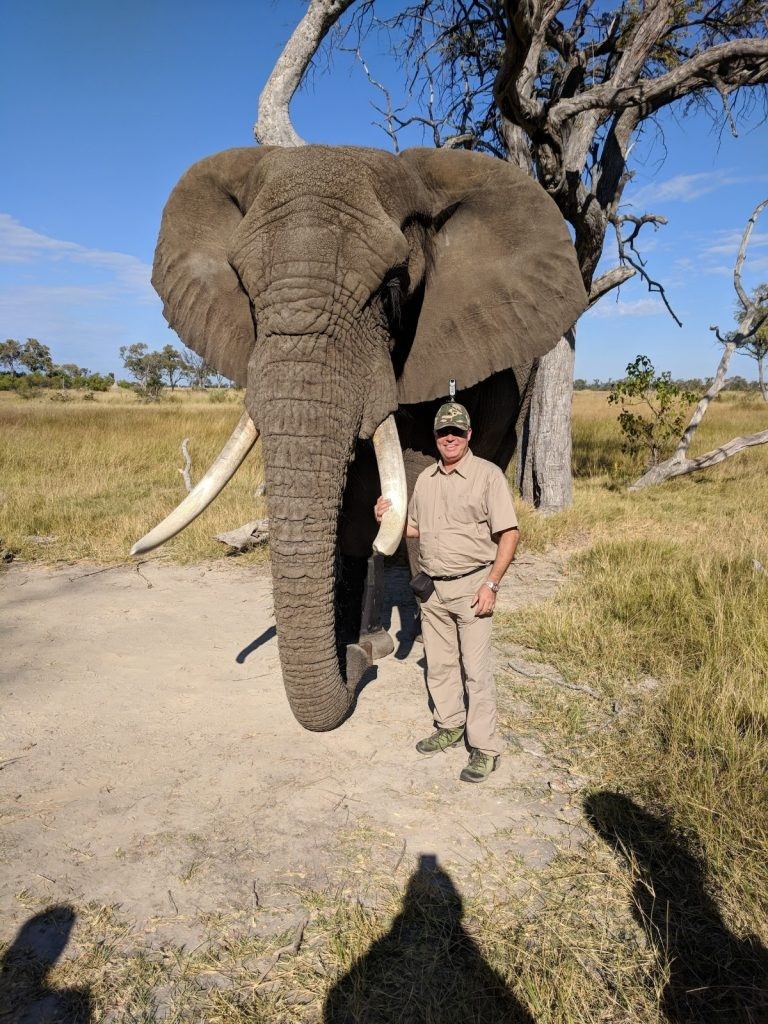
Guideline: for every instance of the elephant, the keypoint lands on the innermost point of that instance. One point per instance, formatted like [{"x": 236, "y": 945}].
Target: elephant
[{"x": 342, "y": 287}]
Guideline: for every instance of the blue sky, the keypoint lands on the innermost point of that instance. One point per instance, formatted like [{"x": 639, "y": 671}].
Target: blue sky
[{"x": 103, "y": 106}]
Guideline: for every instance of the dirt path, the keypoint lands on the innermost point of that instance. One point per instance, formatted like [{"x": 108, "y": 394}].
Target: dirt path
[{"x": 149, "y": 758}]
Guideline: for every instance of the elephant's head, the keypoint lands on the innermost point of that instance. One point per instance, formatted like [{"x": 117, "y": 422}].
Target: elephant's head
[{"x": 335, "y": 285}]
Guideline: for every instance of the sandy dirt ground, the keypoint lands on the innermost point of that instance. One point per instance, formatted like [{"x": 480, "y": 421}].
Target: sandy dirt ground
[{"x": 149, "y": 758}]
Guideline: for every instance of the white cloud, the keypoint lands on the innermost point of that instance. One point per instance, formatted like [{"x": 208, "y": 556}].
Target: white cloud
[
  {"x": 640, "y": 307},
  {"x": 684, "y": 188},
  {"x": 125, "y": 274},
  {"x": 753, "y": 268},
  {"x": 83, "y": 303},
  {"x": 726, "y": 243}
]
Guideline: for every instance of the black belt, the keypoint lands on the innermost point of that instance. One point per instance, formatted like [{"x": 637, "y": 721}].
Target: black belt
[{"x": 447, "y": 579}]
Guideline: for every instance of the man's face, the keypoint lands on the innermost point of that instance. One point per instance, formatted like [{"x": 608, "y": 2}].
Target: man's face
[{"x": 452, "y": 444}]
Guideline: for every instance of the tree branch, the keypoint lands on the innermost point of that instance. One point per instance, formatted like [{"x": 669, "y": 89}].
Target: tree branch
[
  {"x": 186, "y": 471},
  {"x": 611, "y": 279},
  {"x": 273, "y": 125},
  {"x": 730, "y": 65},
  {"x": 704, "y": 402},
  {"x": 627, "y": 245},
  {"x": 743, "y": 298}
]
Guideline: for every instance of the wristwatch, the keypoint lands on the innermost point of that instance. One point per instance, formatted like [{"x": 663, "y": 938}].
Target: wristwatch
[{"x": 492, "y": 586}]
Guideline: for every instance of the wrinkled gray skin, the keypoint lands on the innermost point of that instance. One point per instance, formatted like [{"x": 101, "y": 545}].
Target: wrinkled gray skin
[{"x": 339, "y": 285}]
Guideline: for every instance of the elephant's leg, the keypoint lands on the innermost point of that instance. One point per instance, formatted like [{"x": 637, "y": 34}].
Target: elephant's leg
[
  {"x": 373, "y": 635},
  {"x": 360, "y": 596},
  {"x": 415, "y": 462}
]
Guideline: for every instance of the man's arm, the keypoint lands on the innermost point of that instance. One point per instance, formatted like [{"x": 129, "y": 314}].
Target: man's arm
[
  {"x": 484, "y": 600},
  {"x": 381, "y": 507}
]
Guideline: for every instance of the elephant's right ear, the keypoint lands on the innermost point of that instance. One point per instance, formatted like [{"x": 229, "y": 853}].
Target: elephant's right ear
[{"x": 203, "y": 300}]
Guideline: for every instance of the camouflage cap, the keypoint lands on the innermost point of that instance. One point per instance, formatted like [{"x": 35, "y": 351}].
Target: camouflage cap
[{"x": 452, "y": 415}]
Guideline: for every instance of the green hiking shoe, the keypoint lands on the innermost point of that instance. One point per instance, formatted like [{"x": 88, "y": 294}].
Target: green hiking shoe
[
  {"x": 440, "y": 740},
  {"x": 480, "y": 766}
]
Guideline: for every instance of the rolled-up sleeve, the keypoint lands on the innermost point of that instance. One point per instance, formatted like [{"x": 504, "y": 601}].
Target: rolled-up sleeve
[
  {"x": 501, "y": 509},
  {"x": 413, "y": 521}
]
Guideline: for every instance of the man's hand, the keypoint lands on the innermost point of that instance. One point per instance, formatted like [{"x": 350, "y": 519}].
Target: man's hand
[
  {"x": 484, "y": 602},
  {"x": 380, "y": 508}
]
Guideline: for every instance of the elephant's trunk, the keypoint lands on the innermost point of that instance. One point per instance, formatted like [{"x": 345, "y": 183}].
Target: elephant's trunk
[{"x": 308, "y": 439}]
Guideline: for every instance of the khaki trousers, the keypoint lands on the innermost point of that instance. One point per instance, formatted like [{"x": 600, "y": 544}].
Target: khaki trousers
[{"x": 455, "y": 639}]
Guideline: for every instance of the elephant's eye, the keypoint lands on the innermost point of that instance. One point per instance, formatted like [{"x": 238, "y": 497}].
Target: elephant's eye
[{"x": 393, "y": 291}]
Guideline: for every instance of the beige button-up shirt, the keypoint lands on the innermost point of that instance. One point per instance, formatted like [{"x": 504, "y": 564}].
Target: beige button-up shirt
[{"x": 457, "y": 514}]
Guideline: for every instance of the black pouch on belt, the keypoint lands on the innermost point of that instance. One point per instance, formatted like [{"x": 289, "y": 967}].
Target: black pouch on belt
[{"x": 423, "y": 586}]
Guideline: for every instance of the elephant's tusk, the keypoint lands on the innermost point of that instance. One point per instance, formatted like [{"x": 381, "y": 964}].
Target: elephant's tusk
[
  {"x": 389, "y": 458},
  {"x": 243, "y": 438}
]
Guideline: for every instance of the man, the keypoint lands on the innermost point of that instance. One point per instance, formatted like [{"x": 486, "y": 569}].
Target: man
[{"x": 461, "y": 511}]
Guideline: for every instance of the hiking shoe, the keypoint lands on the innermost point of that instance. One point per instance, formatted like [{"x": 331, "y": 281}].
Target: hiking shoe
[
  {"x": 480, "y": 766},
  {"x": 440, "y": 740}
]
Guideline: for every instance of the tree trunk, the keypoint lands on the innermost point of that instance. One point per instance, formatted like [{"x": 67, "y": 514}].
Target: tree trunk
[{"x": 544, "y": 458}]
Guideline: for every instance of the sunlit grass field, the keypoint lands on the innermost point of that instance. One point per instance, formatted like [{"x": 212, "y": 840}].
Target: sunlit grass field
[
  {"x": 663, "y": 618},
  {"x": 85, "y": 480},
  {"x": 666, "y": 613},
  {"x": 90, "y": 478}
]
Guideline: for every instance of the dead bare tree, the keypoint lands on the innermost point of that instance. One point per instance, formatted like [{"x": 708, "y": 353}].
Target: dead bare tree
[
  {"x": 197, "y": 370},
  {"x": 751, "y": 317},
  {"x": 563, "y": 88}
]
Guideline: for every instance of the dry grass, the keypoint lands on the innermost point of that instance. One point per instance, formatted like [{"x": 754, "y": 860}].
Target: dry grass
[
  {"x": 659, "y": 913},
  {"x": 666, "y": 613},
  {"x": 519, "y": 949},
  {"x": 723, "y": 505},
  {"x": 89, "y": 478},
  {"x": 594, "y": 937}
]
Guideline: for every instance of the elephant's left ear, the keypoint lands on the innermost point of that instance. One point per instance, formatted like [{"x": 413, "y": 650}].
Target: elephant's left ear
[{"x": 502, "y": 284}]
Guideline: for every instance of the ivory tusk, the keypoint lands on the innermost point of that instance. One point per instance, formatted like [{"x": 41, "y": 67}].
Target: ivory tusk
[
  {"x": 389, "y": 458},
  {"x": 243, "y": 438}
]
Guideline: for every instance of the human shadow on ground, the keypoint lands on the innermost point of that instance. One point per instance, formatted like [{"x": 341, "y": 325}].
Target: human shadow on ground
[
  {"x": 25, "y": 994},
  {"x": 426, "y": 969},
  {"x": 714, "y": 976}
]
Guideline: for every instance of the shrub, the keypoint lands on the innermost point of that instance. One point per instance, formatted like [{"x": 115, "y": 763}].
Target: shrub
[{"x": 662, "y": 404}]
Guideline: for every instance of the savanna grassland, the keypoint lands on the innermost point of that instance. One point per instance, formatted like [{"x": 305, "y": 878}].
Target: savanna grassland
[
  {"x": 656, "y": 651},
  {"x": 83, "y": 480}
]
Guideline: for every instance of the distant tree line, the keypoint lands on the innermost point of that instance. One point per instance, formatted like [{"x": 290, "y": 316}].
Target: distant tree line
[
  {"x": 695, "y": 384},
  {"x": 29, "y": 365},
  {"x": 152, "y": 371},
  {"x": 26, "y": 367}
]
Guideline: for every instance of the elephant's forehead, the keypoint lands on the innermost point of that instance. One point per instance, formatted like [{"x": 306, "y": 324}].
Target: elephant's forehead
[
  {"x": 339, "y": 173},
  {"x": 320, "y": 204}
]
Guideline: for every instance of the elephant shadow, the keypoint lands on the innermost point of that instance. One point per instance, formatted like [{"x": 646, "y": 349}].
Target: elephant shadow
[
  {"x": 426, "y": 968},
  {"x": 714, "y": 977},
  {"x": 25, "y": 994},
  {"x": 397, "y": 595}
]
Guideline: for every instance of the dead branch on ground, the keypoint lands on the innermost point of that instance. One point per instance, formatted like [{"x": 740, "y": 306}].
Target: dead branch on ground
[
  {"x": 290, "y": 950},
  {"x": 754, "y": 315},
  {"x": 186, "y": 470}
]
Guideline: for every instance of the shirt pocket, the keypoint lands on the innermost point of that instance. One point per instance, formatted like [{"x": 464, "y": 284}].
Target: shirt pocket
[
  {"x": 470, "y": 508},
  {"x": 471, "y": 511}
]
